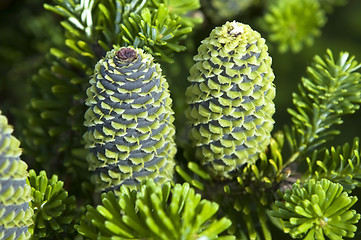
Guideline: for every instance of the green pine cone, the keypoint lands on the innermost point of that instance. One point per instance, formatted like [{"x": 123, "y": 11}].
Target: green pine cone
[
  {"x": 130, "y": 121},
  {"x": 231, "y": 98},
  {"x": 15, "y": 194}
]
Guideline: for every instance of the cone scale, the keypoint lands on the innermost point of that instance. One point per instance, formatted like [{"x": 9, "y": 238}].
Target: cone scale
[
  {"x": 15, "y": 194},
  {"x": 130, "y": 121},
  {"x": 231, "y": 98}
]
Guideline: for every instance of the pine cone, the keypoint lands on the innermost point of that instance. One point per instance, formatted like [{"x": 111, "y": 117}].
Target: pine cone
[
  {"x": 130, "y": 121},
  {"x": 230, "y": 98},
  {"x": 15, "y": 194}
]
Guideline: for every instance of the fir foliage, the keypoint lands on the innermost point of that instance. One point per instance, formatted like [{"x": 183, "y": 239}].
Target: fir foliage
[
  {"x": 140, "y": 23},
  {"x": 15, "y": 194},
  {"x": 317, "y": 209},
  {"x": 330, "y": 90},
  {"x": 253, "y": 192},
  {"x": 186, "y": 10},
  {"x": 155, "y": 31},
  {"x": 339, "y": 164},
  {"x": 246, "y": 198},
  {"x": 54, "y": 210},
  {"x": 154, "y": 213}
]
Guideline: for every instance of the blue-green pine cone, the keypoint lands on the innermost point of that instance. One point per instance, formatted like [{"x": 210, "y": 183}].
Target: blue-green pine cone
[
  {"x": 15, "y": 193},
  {"x": 130, "y": 121},
  {"x": 231, "y": 98}
]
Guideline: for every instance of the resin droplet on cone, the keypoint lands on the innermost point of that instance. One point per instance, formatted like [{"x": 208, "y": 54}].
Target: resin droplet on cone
[
  {"x": 231, "y": 98},
  {"x": 130, "y": 121}
]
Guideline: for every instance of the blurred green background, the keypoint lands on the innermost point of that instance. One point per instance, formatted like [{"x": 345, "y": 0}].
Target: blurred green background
[{"x": 27, "y": 32}]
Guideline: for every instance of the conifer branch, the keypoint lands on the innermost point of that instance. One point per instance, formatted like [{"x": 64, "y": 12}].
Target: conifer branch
[
  {"x": 54, "y": 210},
  {"x": 339, "y": 164},
  {"x": 154, "y": 213},
  {"x": 247, "y": 198},
  {"x": 317, "y": 209},
  {"x": 331, "y": 89}
]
